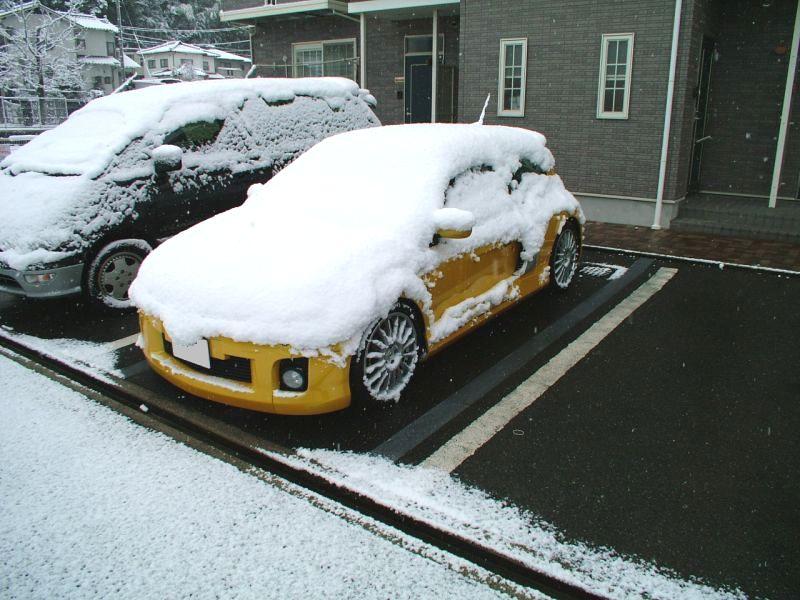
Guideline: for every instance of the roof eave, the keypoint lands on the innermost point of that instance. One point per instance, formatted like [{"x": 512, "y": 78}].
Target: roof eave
[{"x": 277, "y": 10}]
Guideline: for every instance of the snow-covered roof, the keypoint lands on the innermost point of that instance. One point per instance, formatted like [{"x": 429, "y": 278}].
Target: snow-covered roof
[
  {"x": 181, "y": 47},
  {"x": 184, "y": 48},
  {"x": 222, "y": 55},
  {"x": 109, "y": 61},
  {"x": 130, "y": 63},
  {"x": 343, "y": 232},
  {"x": 89, "y": 138},
  {"x": 92, "y": 22}
]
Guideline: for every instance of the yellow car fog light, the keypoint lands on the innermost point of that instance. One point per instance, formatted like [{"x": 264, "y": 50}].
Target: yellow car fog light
[{"x": 294, "y": 374}]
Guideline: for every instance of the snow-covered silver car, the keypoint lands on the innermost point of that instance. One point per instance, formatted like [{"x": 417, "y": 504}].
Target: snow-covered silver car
[{"x": 82, "y": 204}]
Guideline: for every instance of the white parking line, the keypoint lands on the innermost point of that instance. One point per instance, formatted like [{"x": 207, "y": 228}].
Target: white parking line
[
  {"x": 122, "y": 343},
  {"x": 463, "y": 445}
]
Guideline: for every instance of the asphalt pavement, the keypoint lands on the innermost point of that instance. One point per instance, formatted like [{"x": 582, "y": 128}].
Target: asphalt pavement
[{"x": 673, "y": 440}]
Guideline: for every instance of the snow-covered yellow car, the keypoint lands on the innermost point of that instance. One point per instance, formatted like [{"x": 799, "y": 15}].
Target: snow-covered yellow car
[{"x": 365, "y": 255}]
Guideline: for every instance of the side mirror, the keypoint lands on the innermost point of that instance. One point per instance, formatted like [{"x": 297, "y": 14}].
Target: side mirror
[
  {"x": 167, "y": 158},
  {"x": 453, "y": 223}
]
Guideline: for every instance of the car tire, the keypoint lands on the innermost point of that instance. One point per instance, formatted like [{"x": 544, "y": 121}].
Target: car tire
[
  {"x": 564, "y": 256},
  {"x": 387, "y": 357},
  {"x": 112, "y": 270}
]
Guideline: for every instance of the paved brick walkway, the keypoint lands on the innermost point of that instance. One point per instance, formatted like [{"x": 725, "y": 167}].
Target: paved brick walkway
[{"x": 779, "y": 255}]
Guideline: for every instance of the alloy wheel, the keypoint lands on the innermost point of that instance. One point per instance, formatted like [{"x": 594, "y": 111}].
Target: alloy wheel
[
  {"x": 116, "y": 273},
  {"x": 390, "y": 355},
  {"x": 565, "y": 257}
]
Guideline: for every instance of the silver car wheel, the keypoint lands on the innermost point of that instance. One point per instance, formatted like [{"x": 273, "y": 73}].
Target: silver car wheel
[
  {"x": 390, "y": 355},
  {"x": 565, "y": 257},
  {"x": 116, "y": 273}
]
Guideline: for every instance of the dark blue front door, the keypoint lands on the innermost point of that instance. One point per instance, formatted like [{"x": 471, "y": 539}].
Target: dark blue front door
[{"x": 418, "y": 89}]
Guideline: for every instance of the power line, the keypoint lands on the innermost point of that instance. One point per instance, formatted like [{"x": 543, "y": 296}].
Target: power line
[{"x": 169, "y": 30}]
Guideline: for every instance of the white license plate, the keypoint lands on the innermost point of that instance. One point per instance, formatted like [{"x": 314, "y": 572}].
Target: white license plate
[{"x": 196, "y": 353}]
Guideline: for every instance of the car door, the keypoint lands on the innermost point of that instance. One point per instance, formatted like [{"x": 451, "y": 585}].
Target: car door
[{"x": 471, "y": 268}]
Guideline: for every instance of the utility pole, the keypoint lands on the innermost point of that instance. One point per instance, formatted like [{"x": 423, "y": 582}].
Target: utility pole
[{"x": 119, "y": 44}]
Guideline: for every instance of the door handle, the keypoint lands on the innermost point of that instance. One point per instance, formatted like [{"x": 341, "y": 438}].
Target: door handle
[{"x": 703, "y": 139}]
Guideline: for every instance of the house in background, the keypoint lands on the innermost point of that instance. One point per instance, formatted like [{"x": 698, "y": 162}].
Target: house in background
[
  {"x": 96, "y": 49},
  {"x": 92, "y": 40},
  {"x": 167, "y": 60},
  {"x": 594, "y": 78}
]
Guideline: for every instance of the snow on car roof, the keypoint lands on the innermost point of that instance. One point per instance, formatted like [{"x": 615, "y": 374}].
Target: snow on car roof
[
  {"x": 333, "y": 240},
  {"x": 87, "y": 141}
]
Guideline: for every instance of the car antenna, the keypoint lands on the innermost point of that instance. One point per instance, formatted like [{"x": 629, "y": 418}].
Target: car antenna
[{"x": 483, "y": 112}]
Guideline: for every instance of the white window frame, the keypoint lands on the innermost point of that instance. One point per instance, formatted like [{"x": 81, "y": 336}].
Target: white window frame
[
  {"x": 319, "y": 45},
  {"x": 601, "y": 84},
  {"x": 505, "y": 43}
]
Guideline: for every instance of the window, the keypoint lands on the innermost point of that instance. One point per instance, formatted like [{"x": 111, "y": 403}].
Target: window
[
  {"x": 205, "y": 66},
  {"x": 187, "y": 61},
  {"x": 164, "y": 63},
  {"x": 151, "y": 64},
  {"x": 106, "y": 79},
  {"x": 511, "y": 78},
  {"x": 195, "y": 135},
  {"x": 615, "y": 76},
  {"x": 423, "y": 44},
  {"x": 110, "y": 49},
  {"x": 331, "y": 59},
  {"x": 80, "y": 44}
]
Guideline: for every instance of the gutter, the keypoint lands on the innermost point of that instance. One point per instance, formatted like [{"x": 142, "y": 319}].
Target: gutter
[{"x": 662, "y": 168}]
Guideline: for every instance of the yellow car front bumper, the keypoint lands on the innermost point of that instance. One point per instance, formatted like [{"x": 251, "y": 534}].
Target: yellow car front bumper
[{"x": 328, "y": 385}]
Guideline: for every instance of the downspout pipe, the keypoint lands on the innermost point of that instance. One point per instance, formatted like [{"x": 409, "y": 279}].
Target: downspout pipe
[
  {"x": 787, "y": 106},
  {"x": 363, "y": 50},
  {"x": 662, "y": 167},
  {"x": 435, "y": 64}
]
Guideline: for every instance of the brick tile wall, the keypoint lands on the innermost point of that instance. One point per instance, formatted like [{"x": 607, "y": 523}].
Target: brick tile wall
[{"x": 615, "y": 157}]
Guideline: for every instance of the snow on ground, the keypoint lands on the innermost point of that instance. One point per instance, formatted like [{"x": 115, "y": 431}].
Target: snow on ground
[
  {"x": 437, "y": 498},
  {"x": 95, "y": 358},
  {"x": 97, "y": 506},
  {"x": 330, "y": 243}
]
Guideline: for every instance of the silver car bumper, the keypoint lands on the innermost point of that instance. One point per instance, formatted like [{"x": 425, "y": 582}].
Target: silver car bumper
[{"x": 42, "y": 283}]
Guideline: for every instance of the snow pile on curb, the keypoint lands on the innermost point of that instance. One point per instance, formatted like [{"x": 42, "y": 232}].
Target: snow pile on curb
[
  {"x": 95, "y": 506},
  {"x": 438, "y": 499}
]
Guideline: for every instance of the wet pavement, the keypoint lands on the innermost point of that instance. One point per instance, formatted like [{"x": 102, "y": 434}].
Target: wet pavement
[
  {"x": 765, "y": 253},
  {"x": 674, "y": 440}
]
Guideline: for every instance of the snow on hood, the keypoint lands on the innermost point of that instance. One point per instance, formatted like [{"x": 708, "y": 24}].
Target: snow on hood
[
  {"x": 35, "y": 218},
  {"x": 87, "y": 141},
  {"x": 331, "y": 242}
]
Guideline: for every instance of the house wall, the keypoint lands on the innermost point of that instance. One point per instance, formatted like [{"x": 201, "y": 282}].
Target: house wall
[
  {"x": 96, "y": 41},
  {"x": 173, "y": 60},
  {"x": 594, "y": 156},
  {"x": 273, "y": 39}
]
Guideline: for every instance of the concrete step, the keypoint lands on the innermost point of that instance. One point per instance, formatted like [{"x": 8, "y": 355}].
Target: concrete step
[
  {"x": 748, "y": 228},
  {"x": 765, "y": 217}
]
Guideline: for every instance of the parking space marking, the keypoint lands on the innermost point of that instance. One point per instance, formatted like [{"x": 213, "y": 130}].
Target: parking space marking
[
  {"x": 463, "y": 445},
  {"x": 428, "y": 424},
  {"x": 122, "y": 342}
]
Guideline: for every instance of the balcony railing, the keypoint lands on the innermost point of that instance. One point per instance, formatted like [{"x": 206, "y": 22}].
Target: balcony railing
[{"x": 32, "y": 112}]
